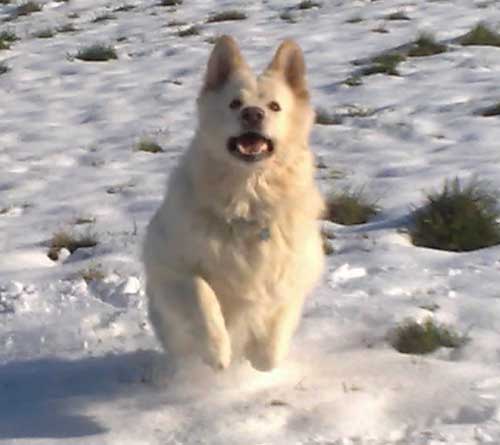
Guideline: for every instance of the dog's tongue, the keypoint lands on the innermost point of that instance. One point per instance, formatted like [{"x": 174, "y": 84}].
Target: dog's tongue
[{"x": 251, "y": 144}]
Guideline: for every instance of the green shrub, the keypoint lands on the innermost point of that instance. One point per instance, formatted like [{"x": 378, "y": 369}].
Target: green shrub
[
  {"x": 415, "y": 338},
  {"x": 350, "y": 207},
  {"x": 426, "y": 45},
  {"x": 457, "y": 218},
  {"x": 97, "y": 53},
  {"x": 226, "y": 16},
  {"x": 384, "y": 64},
  {"x": 480, "y": 35}
]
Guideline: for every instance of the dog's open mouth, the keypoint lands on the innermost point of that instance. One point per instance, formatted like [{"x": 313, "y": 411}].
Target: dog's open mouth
[{"x": 250, "y": 147}]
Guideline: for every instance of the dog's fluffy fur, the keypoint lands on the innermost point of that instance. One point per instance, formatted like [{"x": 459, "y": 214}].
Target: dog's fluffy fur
[{"x": 234, "y": 248}]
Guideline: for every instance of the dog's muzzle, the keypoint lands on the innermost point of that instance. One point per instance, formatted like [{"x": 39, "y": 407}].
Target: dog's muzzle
[{"x": 250, "y": 147}]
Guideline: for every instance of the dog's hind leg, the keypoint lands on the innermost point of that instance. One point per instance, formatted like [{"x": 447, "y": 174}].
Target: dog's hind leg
[
  {"x": 270, "y": 343},
  {"x": 187, "y": 319}
]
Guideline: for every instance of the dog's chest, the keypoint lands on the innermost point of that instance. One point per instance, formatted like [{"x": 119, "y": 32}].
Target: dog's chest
[{"x": 245, "y": 258}]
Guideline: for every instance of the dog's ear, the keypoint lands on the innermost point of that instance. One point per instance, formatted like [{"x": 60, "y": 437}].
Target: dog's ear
[
  {"x": 289, "y": 61},
  {"x": 224, "y": 60}
]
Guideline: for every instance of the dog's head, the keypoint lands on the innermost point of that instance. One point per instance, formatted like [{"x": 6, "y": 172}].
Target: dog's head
[{"x": 251, "y": 120}]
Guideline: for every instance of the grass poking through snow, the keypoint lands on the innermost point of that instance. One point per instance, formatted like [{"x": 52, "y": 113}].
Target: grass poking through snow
[
  {"x": 45, "y": 33},
  {"x": 308, "y": 4},
  {"x": 415, "y": 338},
  {"x": 93, "y": 273},
  {"x": 458, "y": 218},
  {"x": 349, "y": 207},
  {"x": 3, "y": 68},
  {"x": 380, "y": 30},
  {"x": 190, "y": 31},
  {"x": 97, "y": 53},
  {"x": 84, "y": 220},
  {"x": 124, "y": 8},
  {"x": 494, "y": 110},
  {"x": 287, "y": 16},
  {"x": 69, "y": 241},
  {"x": 226, "y": 16},
  {"x": 6, "y": 38},
  {"x": 355, "y": 19},
  {"x": 323, "y": 117},
  {"x": 328, "y": 248},
  {"x": 480, "y": 35},
  {"x": 68, "y": 27},
  {"x": 149, "y": 146},
  {"x": 399, "y": 15},
  {"x": 104, "y": 18},
  {"x": 384, "y": 64},
  {"x": 353, "y": 81},
  {"x": 170, "y": 2},
  {"x": 426, "y": 45},
  {"x": 27, "y": 8}
]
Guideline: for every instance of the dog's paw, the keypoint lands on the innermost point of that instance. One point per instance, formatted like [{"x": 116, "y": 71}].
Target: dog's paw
[
  {"x": 265, "y": 354},
  {"x": 262, "y": 357}
]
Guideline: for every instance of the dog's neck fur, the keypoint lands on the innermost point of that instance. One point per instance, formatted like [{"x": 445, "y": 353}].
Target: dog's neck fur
[{"x": 254, "y": 196}]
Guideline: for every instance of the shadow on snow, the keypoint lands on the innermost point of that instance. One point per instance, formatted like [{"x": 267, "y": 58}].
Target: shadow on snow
[{"x": 42, "y": 398}]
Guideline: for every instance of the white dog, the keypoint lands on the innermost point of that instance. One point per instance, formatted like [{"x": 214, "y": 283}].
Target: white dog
[{"x": 235, "y": 246}]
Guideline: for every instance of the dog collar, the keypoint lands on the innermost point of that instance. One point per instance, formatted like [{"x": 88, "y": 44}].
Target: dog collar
[{"x": 264, "y": 233}]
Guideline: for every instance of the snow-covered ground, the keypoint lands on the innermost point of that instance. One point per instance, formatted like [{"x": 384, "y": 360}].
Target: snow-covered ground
[{"x": 78, "y": 361}]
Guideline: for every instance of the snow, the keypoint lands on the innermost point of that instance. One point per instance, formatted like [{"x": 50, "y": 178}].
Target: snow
[{"x": 78, "y": 361}]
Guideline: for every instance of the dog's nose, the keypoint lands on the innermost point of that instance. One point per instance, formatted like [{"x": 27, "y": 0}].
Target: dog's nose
[{"x": 252, "y": 116}]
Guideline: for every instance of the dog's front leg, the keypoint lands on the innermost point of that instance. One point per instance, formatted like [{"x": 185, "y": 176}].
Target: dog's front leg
[
  {"x": 216, "y": 344},
  {"x": 187, "y": 318}
]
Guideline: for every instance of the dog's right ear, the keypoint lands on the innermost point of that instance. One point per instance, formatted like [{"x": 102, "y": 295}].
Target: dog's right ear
[{"x": 224, "y": 60}]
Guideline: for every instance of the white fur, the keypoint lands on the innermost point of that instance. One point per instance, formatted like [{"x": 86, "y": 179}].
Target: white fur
[{"x": 235, "y": 248}]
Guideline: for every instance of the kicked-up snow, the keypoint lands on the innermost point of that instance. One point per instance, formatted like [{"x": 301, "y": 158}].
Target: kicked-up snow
[{"x": 78, "y": 360}]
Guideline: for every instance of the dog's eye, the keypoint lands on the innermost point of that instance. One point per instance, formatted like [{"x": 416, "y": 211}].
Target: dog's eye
[
  {"x": 274, "y": 106},
  {"x": 235, "y": 104}
]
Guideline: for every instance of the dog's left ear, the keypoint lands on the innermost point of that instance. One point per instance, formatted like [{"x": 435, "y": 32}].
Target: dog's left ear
[{"x": 289, "y": 61}]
